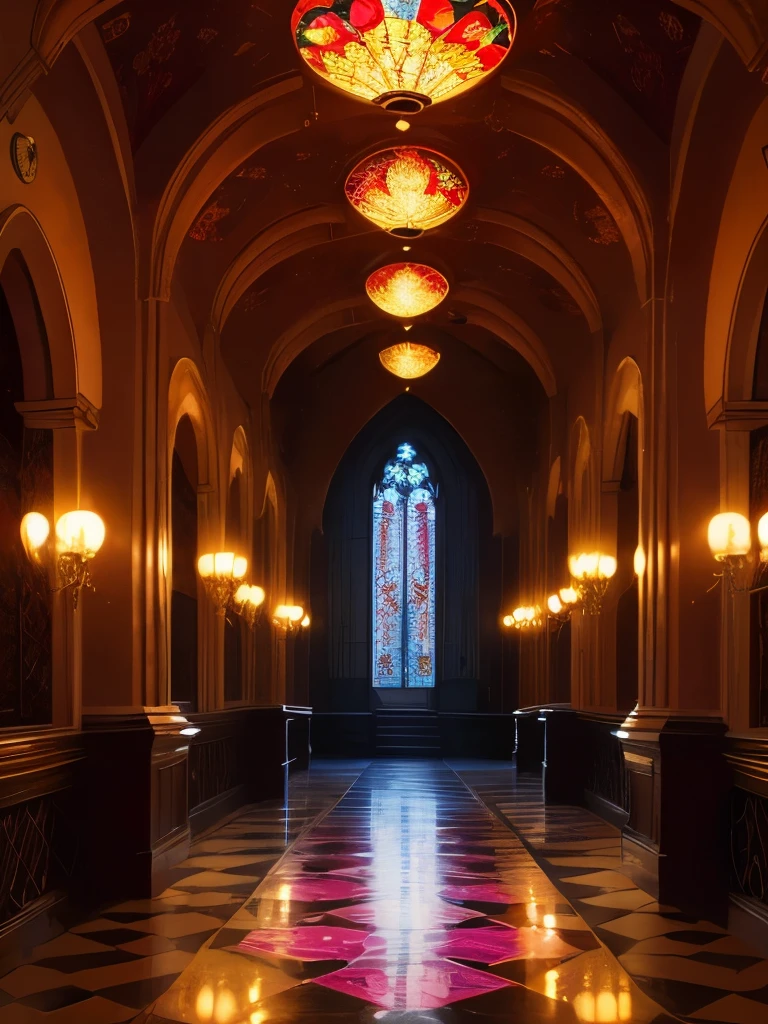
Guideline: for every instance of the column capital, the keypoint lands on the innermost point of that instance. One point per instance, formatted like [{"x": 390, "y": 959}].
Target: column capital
[
  {"x": 58, "y": 413},
  {"x": 738, "y": 415}
]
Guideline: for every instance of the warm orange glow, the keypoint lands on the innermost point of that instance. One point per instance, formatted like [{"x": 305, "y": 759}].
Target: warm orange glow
[
  {"x": 35, "y": 529},
  {"x": 400, "y": 57},
  {"x": 593, "y": 566},
  {"x": 409, "y": 360},
  {"x": 80, "y": 533},
  {"x": 729, "y": 536},
  {"x": 407, "y": 190},
  {"x": 222, "y": 564},
  {"x": 406, "y": 289}
]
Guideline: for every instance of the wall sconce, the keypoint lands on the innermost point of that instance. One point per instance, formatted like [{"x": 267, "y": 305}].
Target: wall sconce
[
  {"x": 249, "y": 602},
  {"x": 524, "y": 618},
  {"x": 592, "y": 573},
  {"x": 222, "y": 574},
  {"x": 289, "y": 617},
  {"x": 730, "y": 541},
  {"x": 560, "y": 606},
  {"x": 79, "y": 537}
]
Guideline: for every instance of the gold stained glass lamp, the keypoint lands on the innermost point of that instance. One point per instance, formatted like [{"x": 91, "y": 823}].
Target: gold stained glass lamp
[
  {"x": 403, "y": 54},
  {"x": 409, "y": 360},
  {"x": 406, "y": 289},
  {"x": 407, "y": 190}
]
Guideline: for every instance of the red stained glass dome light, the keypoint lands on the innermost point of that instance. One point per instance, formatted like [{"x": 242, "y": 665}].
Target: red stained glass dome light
[
  {"x": 403, "y": 54},
  {"x": 407, "y": 190},
  {"x": 406, "y": 289}
]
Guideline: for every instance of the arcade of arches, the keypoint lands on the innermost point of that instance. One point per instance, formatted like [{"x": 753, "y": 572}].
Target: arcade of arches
[{"x": 189, "y": 351}]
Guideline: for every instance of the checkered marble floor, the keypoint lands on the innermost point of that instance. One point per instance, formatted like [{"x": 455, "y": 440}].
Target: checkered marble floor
[
  {"x": 408, "y": 903},
  {"x": 109, "y": 968},
  {"x": 692, "y": 968}
]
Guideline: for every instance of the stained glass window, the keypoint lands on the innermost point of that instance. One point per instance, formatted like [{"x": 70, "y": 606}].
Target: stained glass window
[{"x": 404, "y": 519}]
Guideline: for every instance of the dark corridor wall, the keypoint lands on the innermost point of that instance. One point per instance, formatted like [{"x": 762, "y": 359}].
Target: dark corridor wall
[{"x": 469, "y": 573}]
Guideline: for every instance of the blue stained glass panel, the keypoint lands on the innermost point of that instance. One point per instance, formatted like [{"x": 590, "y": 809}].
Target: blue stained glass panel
[
  {"x": 388, "y": 540},
  {"x": 420, "y": 584},
  {"x": 404, "y": 518}
]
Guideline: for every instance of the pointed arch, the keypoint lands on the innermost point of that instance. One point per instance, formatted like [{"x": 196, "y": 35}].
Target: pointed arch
[
  {"x": 625, "y": 397},
  {"x": 26, "y": 252}
]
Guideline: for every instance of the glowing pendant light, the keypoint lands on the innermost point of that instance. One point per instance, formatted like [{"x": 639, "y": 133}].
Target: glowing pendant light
[
  {"x": 409, "y": 360},
  {"x": 407, "y": 191},
  {"x": 406, "y": 289},
  {"x": 403, "y": 54}
]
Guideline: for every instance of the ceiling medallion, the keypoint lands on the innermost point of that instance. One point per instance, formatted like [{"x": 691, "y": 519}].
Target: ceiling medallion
[
  {"x": 406, "y": 289},
  {"x": 403, "y": 54},
  {"x": 409, "y": 360},
  {"x": 406, "y": 190}
]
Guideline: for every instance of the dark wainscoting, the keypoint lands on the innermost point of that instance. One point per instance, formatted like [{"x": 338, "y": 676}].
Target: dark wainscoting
[
  {"x": 39, "y": 847},
  {"x": 585, "y": 764},
  {"x": 238, "y": 758},
  {"x": 133, "y": 796},
  {"x": 748, "y": 820},
  {"x": 145, "y": 790},
  {"x": 353, "y": 734},
  {"x": 490, "y": 736}
]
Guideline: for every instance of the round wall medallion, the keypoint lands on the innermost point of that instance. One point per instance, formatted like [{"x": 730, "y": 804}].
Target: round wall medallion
[{"x": 24, "y": 157}]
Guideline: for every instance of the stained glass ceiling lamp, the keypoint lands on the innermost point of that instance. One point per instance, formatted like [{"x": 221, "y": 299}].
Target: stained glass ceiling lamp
[
  {"x": 409, "y": 360},
  {"x": 406, "y": 289},
  {"x": 403, "y": 54},
  {"x": 407, "y": 191}
]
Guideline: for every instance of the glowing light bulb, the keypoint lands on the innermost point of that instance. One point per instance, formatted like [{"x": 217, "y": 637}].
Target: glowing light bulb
[
  {"x": 34, "y": 530},
  {"x": 729, "y": 535},
  {"x": 81, "y": 533}
]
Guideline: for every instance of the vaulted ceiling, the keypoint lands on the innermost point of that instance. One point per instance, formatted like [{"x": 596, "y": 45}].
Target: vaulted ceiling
[{"x": 271, "y": 258}]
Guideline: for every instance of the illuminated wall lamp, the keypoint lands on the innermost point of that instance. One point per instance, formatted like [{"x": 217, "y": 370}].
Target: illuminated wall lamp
[
  {"x": 730, "y": 541},
  {"x": 289, "y": 617},
  {"x": 560, "y": 606},
  {"x": 249, "y": 603},
  {"x": 79, "y": 537},
  {"x": 222, "y": 574},
  {"x": 592, "y": 574},
  {"x": 527, "y": 617}
]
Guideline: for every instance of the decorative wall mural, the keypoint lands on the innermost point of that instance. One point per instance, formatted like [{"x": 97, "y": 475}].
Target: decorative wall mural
[
  {"x": 404, "y": 521},
  {"x": 407, "y": 190},
  {"x": 403, "y": 54},
  {"x": 160, "y": 50},
  {"x": 640, "y": 48}
]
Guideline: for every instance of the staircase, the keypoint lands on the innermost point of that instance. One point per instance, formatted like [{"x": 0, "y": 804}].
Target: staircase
[{"x": 407, "y": 733}]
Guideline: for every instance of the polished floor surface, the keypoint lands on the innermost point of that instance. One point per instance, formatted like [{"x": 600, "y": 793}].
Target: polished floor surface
[
  {"x": 408, "y": 902},
  {"x": 404, "y": 892}
]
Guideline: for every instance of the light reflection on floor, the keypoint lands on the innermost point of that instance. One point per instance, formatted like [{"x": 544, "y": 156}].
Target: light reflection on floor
[{"x": 406, "y": 902}]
